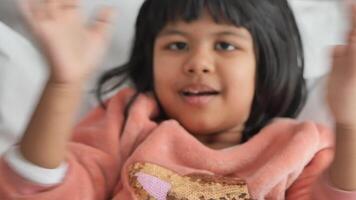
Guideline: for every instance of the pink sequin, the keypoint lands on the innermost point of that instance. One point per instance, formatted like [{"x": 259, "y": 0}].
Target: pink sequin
[{"x": 154, "y": 186}]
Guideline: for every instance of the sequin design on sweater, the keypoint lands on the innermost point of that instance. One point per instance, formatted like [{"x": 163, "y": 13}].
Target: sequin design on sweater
[{"x": 152, "y": 182}]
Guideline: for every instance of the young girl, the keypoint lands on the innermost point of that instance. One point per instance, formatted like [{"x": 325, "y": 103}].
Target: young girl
[{"x": 212, "y": 83}]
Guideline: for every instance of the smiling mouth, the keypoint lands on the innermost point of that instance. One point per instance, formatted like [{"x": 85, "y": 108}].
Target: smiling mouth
[
  {"x": 198, "y": 93},
  {"x": 199, "y": 90}
]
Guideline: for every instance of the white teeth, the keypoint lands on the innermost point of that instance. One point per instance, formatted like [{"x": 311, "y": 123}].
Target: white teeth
[
  {"x": 199, "y": 90},
  {"x": 194, "y": 92},
  {"x": 191, "y": 91}
]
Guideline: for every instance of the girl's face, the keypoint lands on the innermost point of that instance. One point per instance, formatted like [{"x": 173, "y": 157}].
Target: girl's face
[{"x": 204, "y": 75}]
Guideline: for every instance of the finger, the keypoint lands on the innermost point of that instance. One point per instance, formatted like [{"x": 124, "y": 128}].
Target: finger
[
  {"x": 352, "y": 32},
  {"x": 39, "y": 9},
  {"x": 338, "y": 58},
  {"x": 353, "y": 14},
  {"x": 51, "y": 8},
  {"x": 27, "y": 11},
  {"x": 73, "y": 2},
  {"x": 351, "y": 37},
  {"x": 103, "y": 21},
  {"x": 69, "y": 4}
]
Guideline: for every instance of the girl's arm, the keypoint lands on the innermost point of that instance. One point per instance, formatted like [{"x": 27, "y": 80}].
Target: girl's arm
[
  {"x": 49, "y": 130},
  {"x": 94, "y": 158},
  {"x": 342, "y": 101},
  {"x": 343, "y": 168},
  {"x": 72, "y": 50}
]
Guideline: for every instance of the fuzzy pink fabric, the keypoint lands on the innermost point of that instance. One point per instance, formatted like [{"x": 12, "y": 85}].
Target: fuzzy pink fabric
[{"x": 286, "y": 160}]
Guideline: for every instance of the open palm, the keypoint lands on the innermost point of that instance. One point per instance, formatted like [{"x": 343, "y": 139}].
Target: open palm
[{"x": 72, "y": 47}]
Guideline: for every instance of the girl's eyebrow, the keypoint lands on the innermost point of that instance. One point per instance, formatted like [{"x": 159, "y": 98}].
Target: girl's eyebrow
[
  {"x": 169, "y": 32},
  {"x": 239, "y": 34}
]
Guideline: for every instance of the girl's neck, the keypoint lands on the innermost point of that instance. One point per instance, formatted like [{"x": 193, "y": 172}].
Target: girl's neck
[{"x": 221, "y": 140}]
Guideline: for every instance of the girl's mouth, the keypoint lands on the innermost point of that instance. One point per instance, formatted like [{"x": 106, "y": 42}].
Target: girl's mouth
[
  {"x": 198, "y": 95},
  {"x": 207, "y": 93}
]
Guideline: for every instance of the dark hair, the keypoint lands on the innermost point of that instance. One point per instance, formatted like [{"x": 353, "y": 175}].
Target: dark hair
[{"x": 280, "y": 86}]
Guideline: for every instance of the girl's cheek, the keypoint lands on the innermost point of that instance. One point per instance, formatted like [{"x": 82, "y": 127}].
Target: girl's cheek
[{"x": 168, "y": 65}]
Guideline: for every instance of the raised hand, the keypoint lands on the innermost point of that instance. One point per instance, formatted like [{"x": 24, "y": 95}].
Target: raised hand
[
  {"x": 72, "y": 47},
  {"x": 342, "y": 101},
  {"x": 342, "y": 81}
]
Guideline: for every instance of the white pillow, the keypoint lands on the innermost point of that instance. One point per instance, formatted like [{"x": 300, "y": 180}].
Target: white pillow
[
  {"x": 22, "y": 75},
  {"x": 322, "y": 25}
]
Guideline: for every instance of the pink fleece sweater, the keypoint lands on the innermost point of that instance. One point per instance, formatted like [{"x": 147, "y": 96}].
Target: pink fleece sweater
[{"x": 140, "y": 159}]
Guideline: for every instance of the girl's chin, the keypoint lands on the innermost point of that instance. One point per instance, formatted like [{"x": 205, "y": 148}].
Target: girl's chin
[{"x": 199, "y": 131}]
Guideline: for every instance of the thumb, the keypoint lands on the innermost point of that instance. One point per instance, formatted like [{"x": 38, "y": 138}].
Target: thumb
[{"x": 339, "y": 51}]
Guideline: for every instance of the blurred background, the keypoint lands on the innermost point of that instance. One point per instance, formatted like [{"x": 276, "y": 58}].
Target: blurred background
[{"x": 23, "y": 71}]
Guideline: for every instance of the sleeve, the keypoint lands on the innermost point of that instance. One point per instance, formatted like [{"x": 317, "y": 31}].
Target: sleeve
[
  {"x": 93, "y": 160},
  {"x": 314, "y": 182},
  {"x": 32, "y": 172}
]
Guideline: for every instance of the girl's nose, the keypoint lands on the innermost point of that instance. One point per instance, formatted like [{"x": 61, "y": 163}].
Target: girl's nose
[{"x": 199, "y": 63}]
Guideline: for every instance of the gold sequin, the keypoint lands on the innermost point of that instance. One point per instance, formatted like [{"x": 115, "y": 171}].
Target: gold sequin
[{"x": 191, "y": 186}]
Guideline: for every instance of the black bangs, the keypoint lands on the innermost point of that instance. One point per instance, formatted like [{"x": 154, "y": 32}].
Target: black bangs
[{"x": 221, "y": 11}]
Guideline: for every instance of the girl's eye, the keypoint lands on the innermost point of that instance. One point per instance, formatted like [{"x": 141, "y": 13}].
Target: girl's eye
[
  {"x": 224, "y": 46},
  {"x": 178, "y": 46}
]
